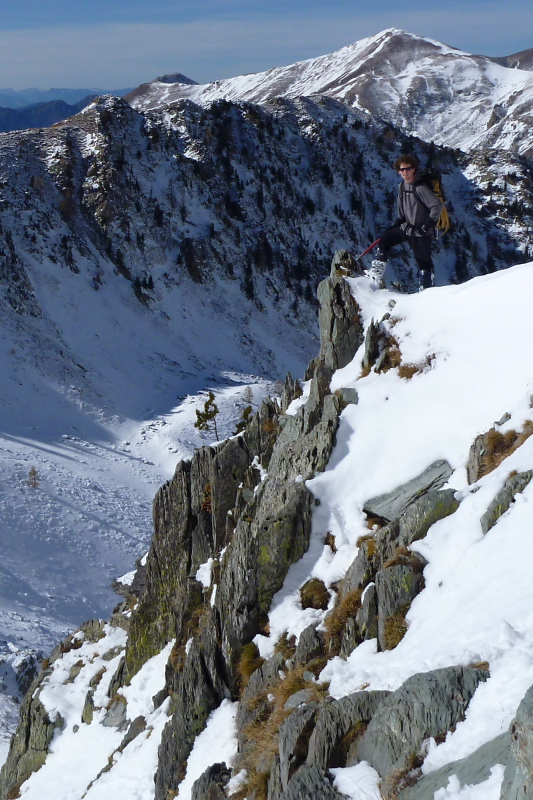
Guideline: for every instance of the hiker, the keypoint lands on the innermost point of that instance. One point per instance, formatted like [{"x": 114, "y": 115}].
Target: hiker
[{"x": 419, "y": 210}]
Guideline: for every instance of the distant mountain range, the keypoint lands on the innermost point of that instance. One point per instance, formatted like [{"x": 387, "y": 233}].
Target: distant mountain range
[
  {"x": 40, "y": 115},
  {"x": 424, "y": 87},
  {"x": 22, "y": 98}
]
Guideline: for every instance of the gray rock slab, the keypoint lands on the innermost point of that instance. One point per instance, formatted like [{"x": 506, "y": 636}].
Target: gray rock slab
[
  {"x": 518, "y": 778},
  {"x": 116, "y": 715},
  {"x": 503, "y": 500},
  {"x": 293, "y": 740},
  {"x": 471, "y": 770},
  {"x": 427, "y": 704},
  {"x": 418, "y": 518},
  {"x": 334, "y": 721},
  {"x": 392, "y": 504}
]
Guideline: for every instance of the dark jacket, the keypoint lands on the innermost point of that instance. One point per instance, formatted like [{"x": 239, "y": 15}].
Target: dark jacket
[{"x": 418, "y": 206}]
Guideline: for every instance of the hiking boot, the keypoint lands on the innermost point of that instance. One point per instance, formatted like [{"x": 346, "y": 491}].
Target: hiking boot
[{"x": 425, "y": 279}]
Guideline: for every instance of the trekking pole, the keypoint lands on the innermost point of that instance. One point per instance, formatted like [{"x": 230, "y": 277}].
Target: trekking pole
[{"x": 368, "y": 249}]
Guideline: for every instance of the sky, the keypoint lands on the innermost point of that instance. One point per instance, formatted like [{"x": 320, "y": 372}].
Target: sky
[{"x": 97, "y": 43}]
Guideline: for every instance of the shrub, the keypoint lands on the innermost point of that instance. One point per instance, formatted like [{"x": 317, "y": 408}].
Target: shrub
[{"x": 314, "y": 594}]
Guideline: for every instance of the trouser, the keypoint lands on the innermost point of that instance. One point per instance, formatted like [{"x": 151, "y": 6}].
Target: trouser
[{"x": 420, "y": 245}]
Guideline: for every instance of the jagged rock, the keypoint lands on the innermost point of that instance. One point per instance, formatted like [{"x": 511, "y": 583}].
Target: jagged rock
[
  {"x": 118, "y": 678},
  {"x": 310, "y": 645},
  {"x": 475, "y": 466},
  {"x": 88, "y": 708},
  {"x": 137, "y": 726},
  {"x": 518, "y": 778},
  {"x": 341, "y": 326},
  {"x": 396, "y": 588},
  {"x": 424, "y": 512},
  {"x": 427, "y": 704},
  {"x": 198, "y": 690},
  {"x": 294, "y": 740},
  {"x": 334, "y": 721},
  {"x": 362, "y": 569},
  {"x": 367, "y": 616},
  {"x": 391, "y": 505},
  {"x": 94, "y": 629},
  {"x": 345, "y": 265},
  {"x": 298, "y": 698},
  {"x": 210, "y": 785},
  {"x": 29, "y": 747},
  {"x": 372, "y": 339},
  {"x": 116, "y": 714},
  {"x": 309, "y": 782},
  {"x": 471, "y": 770},
  {"x": 503, "y": 500},
  {"x": 26, "y": 670}
]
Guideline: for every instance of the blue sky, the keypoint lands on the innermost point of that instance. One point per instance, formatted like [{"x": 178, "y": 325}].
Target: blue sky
[{"x": 117, "y": 43}]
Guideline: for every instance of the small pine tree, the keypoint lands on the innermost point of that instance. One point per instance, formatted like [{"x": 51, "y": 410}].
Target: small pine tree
[
  {"x": 33, "y": 477},
  {"x": 244, "y": 420},
  {"x": 208, "y": 415},
  {"x": 248, "y": 395}
]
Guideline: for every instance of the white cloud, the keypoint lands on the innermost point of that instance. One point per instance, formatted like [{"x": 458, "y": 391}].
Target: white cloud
[{"x": 116, "y": 55}]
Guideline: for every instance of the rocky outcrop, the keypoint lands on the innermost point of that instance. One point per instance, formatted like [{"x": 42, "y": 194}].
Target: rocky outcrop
[
  {"x": 391, "y": 505},
  {"x": 341, "y": 325},
  {"x": 427, "y": 704}
]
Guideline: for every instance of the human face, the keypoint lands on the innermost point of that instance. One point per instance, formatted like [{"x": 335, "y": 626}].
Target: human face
[{"x": 407, "y": 172}]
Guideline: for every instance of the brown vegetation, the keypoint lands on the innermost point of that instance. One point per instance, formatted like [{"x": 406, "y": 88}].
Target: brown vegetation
[
  {"x": 314, "y": 594},
  {"x": 499, "y": 446},
  {"x": 395, "y": 628},
  {"x": 249, "y": 661},
  {"x": 336, "y": 620}
]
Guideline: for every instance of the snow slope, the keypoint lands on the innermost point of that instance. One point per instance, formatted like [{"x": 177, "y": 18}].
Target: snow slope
[
  {"x": 429, "y": 89},
  {"x": 478, "y": 597},
  {"x": 477, "y": 602}
]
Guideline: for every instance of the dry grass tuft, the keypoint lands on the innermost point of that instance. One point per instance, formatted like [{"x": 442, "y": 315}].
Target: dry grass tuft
[
  {"x": 395, "y": 629},
  {"x": 336, "y": 621},
  {"x": 480, "y": 665},
  {"x": 314, "y": 594},
  {"x": 249, "y": 661},
  {"x": 369, "y": 543},
  {"x": 499, "y": 446},
  {"x": 330, "y": 541},
  {"x": 405, "y": 558},
  {"x": 401, "y": 779},
  {"x": 285, "y": 645}
]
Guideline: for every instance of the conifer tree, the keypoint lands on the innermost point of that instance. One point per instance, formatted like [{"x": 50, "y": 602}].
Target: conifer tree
[
  {"x": 33, "y": 476},
  {"x": 208, "y": 415}
]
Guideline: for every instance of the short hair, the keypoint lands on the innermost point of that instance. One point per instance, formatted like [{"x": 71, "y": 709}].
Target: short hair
[{"x": 411, "y": 160}]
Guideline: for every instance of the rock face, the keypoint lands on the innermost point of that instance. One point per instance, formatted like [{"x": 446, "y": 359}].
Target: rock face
[{"x": 426, "y": 705}]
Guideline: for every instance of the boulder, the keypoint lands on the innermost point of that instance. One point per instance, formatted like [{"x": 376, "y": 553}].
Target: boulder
[
  {"x": 427, "y": 704},
  {"x": 423, "y": 513},
  {"x": 518, "y": 778},
  {"x": 471, "y": 770},
  {"x": 310, "y": 645},
  {"x": 391, "y": 505},
  {"x": 341, "y": 325},
  {"x": 211, "y": 783},
  {"x": 503, "y": 500},
  {"x": 367, "y": 616},
  {"x": 309, "y": 782},
  {"x": 333, "y": 723}
]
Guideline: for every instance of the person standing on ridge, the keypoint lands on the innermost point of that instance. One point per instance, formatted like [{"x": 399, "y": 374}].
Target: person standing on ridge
[{"x": 419, "y": 210}]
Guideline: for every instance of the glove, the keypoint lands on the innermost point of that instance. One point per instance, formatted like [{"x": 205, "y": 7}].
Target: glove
[{"x": 396, "y": 224}]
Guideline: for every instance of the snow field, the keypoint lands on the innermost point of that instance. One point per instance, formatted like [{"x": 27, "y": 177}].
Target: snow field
[{"x": 476, "y": 605}]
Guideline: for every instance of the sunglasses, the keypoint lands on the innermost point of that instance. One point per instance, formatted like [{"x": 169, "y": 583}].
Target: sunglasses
[{"x": 406, "y": 169}]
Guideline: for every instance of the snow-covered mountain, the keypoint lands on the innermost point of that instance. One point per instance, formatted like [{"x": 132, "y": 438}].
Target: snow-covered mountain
[
  {"x": 426, "y": 88},
  {"x": 413, "y": 401}
]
